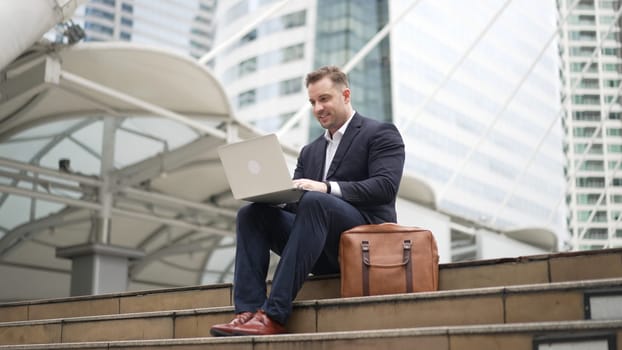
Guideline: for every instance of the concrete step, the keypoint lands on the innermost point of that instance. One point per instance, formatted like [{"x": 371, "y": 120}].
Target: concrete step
[
  {"x": 563, "y": 301},
  {"x": 519, "y": 336},
  {"x": 548, "y": 268}
]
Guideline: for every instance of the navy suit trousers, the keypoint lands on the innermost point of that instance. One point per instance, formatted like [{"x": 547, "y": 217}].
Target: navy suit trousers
[{"x": 307, "y": 242}]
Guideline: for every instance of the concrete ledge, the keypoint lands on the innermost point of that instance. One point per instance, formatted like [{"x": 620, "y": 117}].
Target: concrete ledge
[
  {"x": 560, "y": 302},
  {"x": 534, "y": 288},
  {"x": 448, "y": 334}
]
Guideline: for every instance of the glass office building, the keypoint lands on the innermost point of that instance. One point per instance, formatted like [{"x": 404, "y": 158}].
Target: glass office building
[
  {"x": 475, "y": 95},
  {"x": 186, "y": 26},
  {"x": 591, "y": 74},
  {"x": 473, "y": 87}
]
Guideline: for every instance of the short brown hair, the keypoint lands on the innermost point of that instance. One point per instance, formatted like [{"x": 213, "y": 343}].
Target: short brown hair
[{"x": 333, "y": 72}]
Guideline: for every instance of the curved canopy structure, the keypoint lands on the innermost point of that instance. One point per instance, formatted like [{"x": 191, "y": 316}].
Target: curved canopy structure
[
  {"x": 417, "y": 190},
  {"x": 538, "y": 237},
  {"x": 114, "y": 143}
]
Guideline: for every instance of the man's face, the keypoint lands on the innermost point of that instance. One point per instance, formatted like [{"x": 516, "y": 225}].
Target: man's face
[{"x": 330, "y": 103}]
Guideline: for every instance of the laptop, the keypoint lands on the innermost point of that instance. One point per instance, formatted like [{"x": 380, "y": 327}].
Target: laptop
[{"x": 257, "y": 171}]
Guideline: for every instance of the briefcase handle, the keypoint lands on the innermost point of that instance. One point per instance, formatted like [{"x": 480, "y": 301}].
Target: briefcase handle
[{"x": 407, "y": 244}]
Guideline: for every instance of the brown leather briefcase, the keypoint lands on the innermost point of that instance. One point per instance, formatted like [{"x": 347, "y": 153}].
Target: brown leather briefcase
[{"x": 387, "y": 259}]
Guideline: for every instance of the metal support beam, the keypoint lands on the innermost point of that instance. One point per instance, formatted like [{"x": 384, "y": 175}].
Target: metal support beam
[
  {"x": 86, "y": 180},
  {"x": 29, "y": 78},
  {"x": 139, "y": 103},
  {"x": 159, "y": 198},
  {"x": 106, "y": 167},
  {"x": 166, "y": 162}
]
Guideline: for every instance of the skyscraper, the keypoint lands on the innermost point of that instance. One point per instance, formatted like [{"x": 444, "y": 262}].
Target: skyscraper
[
  {"x": 185, "y": 26},
  {"x": 473, "y": 88},
  {"x": 591, "y": 74}
]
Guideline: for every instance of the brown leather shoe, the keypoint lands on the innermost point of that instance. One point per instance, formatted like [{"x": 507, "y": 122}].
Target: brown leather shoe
[
  {"x": 226, "y": 329},
  {"x": 260, "y": 324}
]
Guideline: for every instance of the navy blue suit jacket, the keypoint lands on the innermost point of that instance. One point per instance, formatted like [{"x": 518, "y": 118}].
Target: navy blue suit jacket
[{"x": 368, "y": 166}]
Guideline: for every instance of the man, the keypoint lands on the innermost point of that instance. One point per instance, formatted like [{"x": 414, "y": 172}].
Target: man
[{"x": 351, "y": 175}]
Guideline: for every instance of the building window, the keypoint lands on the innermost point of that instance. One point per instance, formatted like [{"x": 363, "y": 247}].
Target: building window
[
  {"x": 589, "y": 84},
  {"x": 614, "y": 148},
  {"x": 592, "y": 165},
  {"x": 582, "y": 51},
  {"x": 246, "y": 98},
  {"x": 584, "y": 215},
  {"x": 578, "y": 67},
  {"x": 611, "y": 67},
  {"x": 586, "y": 115},
  {"x": 613, "y": 36},
  {"x": 609, "y": 4},
  {"x": 615, "y": 115},
  {"x": 584, "y": 132},
  {"x": 583, "y": 35},
  {"x": 611, "y": 51},
  {"x": 614, "y": 131},
  {"x": 586, "y": 4},
  {"x": 586, "y": 99},
  {"x": 596, "y": 233},
  {"x": 588, "y": 198},
  {"x": 296, "y": 19},
  {"x": 247, "y": 66},
  {"x": 582, "y": 19},
  {"x": 591, "y": 182},
  {"x": 291, "y": 86},
  {"x": 601, "y": 216},
  {"x": 292, "y": 53},
  {"x": 251, "y": 36},
  {"x": 596, "y": 148}
]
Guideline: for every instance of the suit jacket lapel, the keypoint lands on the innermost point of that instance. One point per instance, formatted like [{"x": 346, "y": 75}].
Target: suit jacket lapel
[
  {"x": 316, "y": 169},
  {"x": 353, "y": 129}
]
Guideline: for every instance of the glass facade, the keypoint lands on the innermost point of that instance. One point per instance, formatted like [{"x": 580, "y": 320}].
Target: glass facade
[
  {"x": 186, "y": 26},
  {"x": 591, "y": 74},
  {"x": 343, "y": 27},
  {"x": 476, "y": 97}
]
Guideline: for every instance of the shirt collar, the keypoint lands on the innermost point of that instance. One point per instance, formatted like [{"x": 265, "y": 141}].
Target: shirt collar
[{"x": 339, "y": 131}]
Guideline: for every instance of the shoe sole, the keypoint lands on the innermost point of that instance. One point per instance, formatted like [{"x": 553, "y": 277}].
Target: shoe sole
[{"x": 217, "y": 333}]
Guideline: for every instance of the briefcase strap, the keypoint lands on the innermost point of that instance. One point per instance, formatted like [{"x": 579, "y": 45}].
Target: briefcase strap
[
  {"x": 409, "y": 266},
  {"x": 406, "y": 262}
]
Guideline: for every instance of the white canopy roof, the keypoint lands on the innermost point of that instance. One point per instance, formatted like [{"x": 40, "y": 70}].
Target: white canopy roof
[{"x": 169, "y": 194}]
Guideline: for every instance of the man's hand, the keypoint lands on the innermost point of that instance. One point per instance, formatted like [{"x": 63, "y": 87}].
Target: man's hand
[{"x": 310, "y": 185}]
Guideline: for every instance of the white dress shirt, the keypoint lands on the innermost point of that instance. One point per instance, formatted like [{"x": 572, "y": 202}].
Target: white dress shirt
[{"x": 331, "y": 149}]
